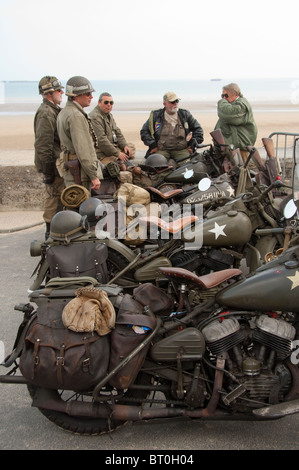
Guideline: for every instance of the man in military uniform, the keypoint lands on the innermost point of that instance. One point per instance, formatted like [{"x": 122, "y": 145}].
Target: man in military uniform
[
  {"x": 47, "y": 145},
  {"x": 112, "y": 145},
  {"x": 171, "y": 131},
  {"x": 78, "y": 161}
]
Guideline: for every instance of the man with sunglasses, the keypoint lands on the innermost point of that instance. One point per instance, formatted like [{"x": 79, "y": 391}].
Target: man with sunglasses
[
  {"x": 112, "y": 145},
  {"x": 171, "y": 131},
  {"x": 78, "y": 161},
  {"x": 236, "y": 119},
  {"x": 47, "y": 145}
]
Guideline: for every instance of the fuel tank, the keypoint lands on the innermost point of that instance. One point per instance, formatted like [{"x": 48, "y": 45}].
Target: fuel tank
[
  {"x": 231, "y": 228},
  {"x": 216, "y": 191},
  {"x": 276, "y": 288},
  {"x": 200, "y": 170}
]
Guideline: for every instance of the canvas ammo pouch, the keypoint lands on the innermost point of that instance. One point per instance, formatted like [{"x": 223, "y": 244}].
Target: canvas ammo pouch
[
  {"x": 55, "y": 357},
  {"x": 79, "y": 259},
  {"x": 131, "y": 328}
]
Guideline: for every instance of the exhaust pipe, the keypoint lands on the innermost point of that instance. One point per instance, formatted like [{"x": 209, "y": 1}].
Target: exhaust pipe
[
  {"x": 278, "y": 411},
  {"x": 51, "y": 400}
]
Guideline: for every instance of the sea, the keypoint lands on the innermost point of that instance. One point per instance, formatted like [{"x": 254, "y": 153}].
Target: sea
[{"x": 140, "y": 95}]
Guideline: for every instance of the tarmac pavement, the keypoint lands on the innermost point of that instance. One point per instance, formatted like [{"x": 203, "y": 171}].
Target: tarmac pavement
[{"x": 13, "y": 221}]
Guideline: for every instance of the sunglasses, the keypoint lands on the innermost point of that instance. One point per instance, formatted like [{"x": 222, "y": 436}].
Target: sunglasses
[
  {"x": 88, "y": 93},
  {"x": 225, "y": 95},
  {"x": 174, "y": 102},
  {"x": 109, "y": 102}
]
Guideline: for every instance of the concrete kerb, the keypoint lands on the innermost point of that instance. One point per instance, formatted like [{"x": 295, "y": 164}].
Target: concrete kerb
[{"x": 139, "y": 157}]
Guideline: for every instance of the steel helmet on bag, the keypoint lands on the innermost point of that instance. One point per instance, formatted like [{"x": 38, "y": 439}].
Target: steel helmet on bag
[
  {"x": 67, "y": 225},
  {"x": 49, "y": 84},
  {"x": 157, "y": 161},
  {"x": 91, "y": 207},
  {"x": 77, "y": 86}
]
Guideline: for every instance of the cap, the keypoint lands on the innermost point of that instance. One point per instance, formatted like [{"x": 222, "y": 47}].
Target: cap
[{"x": 170, "y": 96}]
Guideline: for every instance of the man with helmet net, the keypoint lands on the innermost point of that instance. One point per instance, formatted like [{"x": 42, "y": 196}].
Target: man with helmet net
[
  {"x": 47, "y": 145},
  {"x": 78, "y": 161},
  {"x": 171, "y": 131}
]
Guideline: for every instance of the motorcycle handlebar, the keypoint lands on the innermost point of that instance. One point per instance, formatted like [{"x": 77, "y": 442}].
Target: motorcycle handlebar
[{"x": 275, "y": 184}]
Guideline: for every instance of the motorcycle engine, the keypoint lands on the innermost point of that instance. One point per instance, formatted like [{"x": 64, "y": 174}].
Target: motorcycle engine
[
  {"x": 254, "y": 354},
  {"x": 204, "y": 261}
]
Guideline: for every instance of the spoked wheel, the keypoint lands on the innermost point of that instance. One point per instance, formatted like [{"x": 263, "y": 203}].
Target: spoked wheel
[{"x": 86, "y": 425}]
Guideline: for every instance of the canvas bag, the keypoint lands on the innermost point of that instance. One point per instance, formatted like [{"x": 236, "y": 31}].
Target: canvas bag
[{"x": 79, "y": 259}]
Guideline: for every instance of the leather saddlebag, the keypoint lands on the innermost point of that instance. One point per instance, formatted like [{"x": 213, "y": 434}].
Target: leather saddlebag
[
  {"x": 131, "y": 329},
  {"x": 55, "y": 357},
  {"x": 149, "y": 295}
]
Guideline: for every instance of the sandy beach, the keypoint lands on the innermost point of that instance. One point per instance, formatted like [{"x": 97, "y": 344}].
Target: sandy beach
[
  {"x": 17, "y": 137},
  {"x": 17, "y": 140}
]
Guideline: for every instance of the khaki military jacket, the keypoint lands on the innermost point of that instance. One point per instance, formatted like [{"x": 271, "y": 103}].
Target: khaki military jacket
[
  {"x": 47, "y": 143},
  {"x": 76, "y": 138},
  {"x": 110, "y": 137}
]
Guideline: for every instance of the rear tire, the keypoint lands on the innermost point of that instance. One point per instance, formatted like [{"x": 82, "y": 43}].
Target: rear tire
[{"x": 90, "y": 426}]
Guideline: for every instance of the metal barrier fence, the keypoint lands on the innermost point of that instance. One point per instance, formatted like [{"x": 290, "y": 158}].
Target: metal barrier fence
[{"x": 284, "y": 144}]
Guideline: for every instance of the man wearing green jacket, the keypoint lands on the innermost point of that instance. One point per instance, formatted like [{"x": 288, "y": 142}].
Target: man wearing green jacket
[
  {"x": 112, "y": 145},
  {"x": 47, "y": 145},
  {"x": 236, "y": 119},
  {"x": 78, "y": 161}
]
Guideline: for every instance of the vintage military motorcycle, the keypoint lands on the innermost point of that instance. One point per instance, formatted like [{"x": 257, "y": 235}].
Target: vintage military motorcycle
[
  {"x": 218, "y": 346},
  {"x": 224, "y": 345},
  {"x": 242, "y": 231}
]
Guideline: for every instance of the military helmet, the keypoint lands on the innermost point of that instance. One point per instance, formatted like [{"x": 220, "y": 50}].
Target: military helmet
[
  {"x": 49, "y": 84},
  {"x": 67, "y": 225},
  {"x": 93, "y": 208},
  {"x": 78, "y": 85},
  {"x": 157, "y": 161}
]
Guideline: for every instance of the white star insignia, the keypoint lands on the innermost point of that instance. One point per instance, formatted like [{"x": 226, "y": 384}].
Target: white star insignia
[
  {"x": 230, "y": 191},
  {"x": 294, "y": 279},
  {"x": 218, "y": 230}
]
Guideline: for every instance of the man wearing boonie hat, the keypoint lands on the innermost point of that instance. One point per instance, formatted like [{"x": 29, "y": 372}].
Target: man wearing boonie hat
[{"x": 171, "y": 131}]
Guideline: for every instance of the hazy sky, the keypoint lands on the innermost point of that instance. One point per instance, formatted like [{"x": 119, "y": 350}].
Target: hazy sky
[{"x": 162, "y": 39}]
